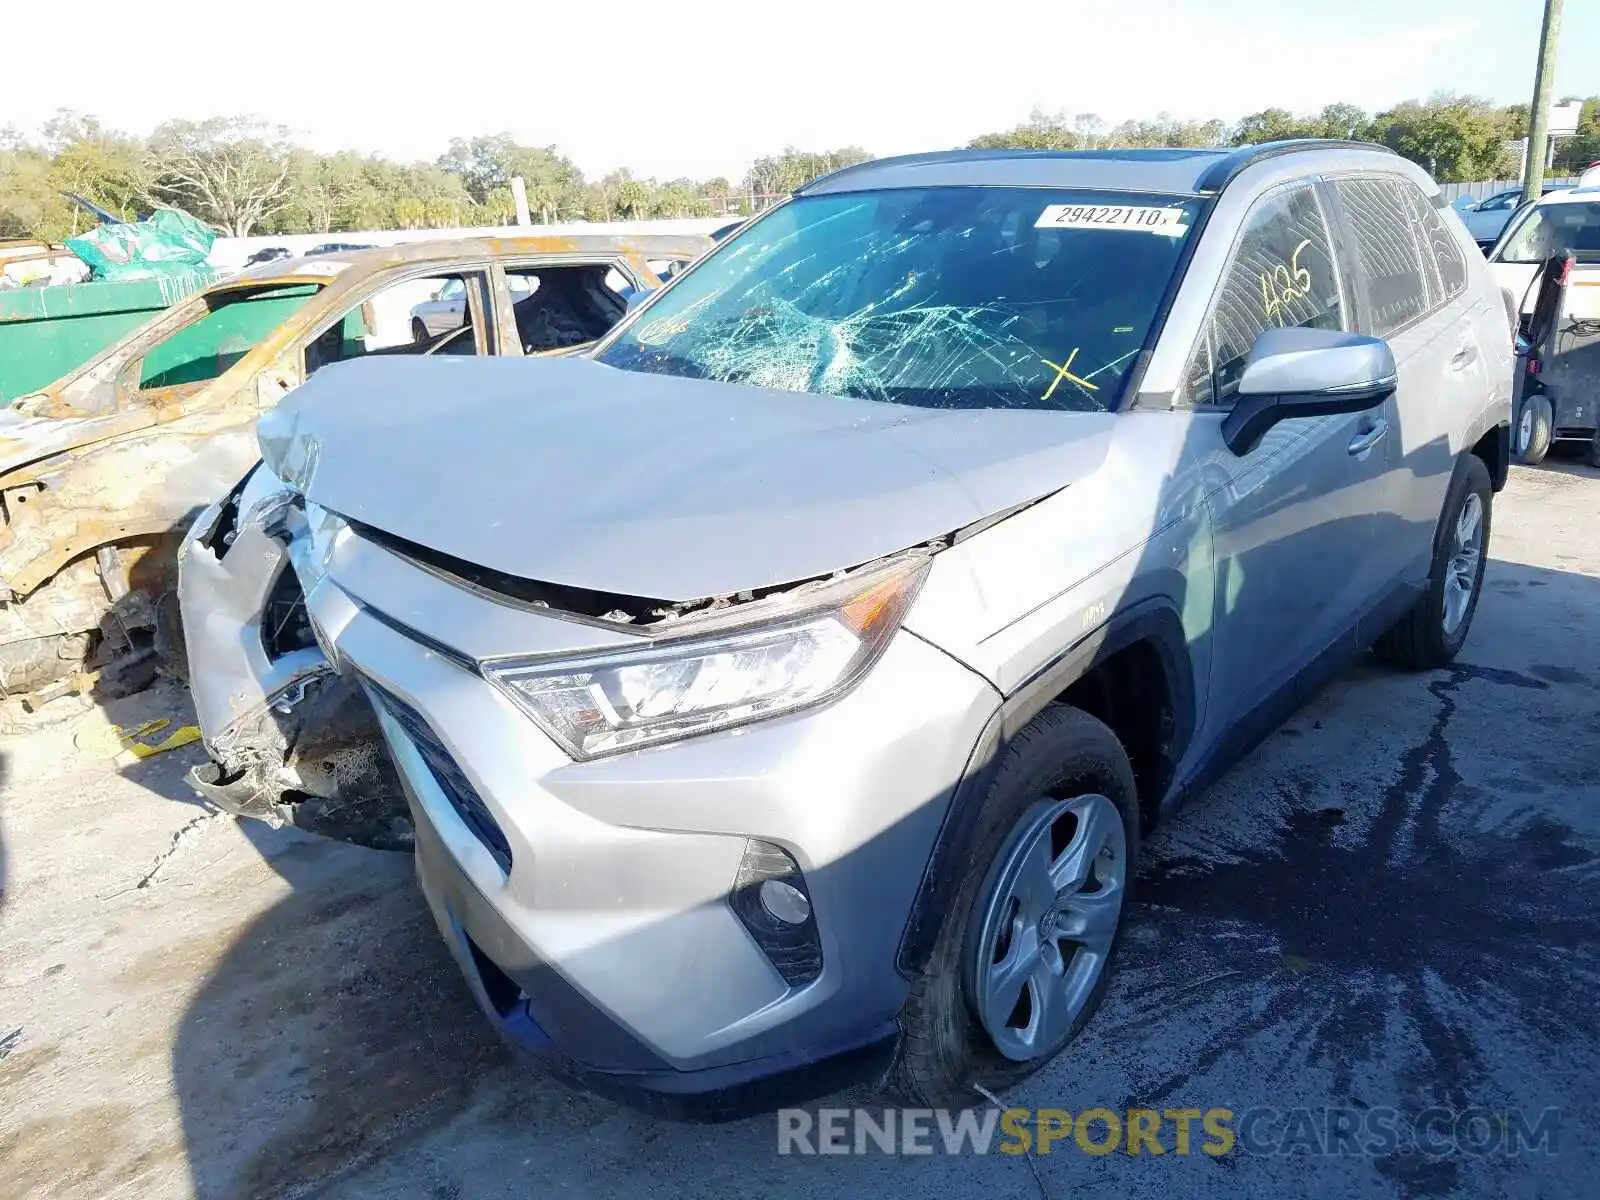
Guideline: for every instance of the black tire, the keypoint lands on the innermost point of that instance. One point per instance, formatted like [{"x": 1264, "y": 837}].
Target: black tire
[
  {"x": 419, "y": 332},
  {"x": 1418, "y": 640},
  {"x": 944, "y": 1050},
  {"x": 1538, "y": 421},
  {"x": 1591, "y": 455},
  {"x": 171, "y": 651}
]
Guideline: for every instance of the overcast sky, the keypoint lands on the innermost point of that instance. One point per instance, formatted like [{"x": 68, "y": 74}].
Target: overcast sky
[{"x": 682, "y": 87}]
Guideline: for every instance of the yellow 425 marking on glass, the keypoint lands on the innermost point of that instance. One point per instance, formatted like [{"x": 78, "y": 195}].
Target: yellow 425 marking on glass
[
  {"x": 1064, "y": 371},
  {"x": 1284, "y": 284}
]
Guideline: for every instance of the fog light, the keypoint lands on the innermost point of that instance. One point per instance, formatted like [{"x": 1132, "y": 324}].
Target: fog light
[
  {"x": 785, "y": 901},
  {"x": 771, "y": 899}
]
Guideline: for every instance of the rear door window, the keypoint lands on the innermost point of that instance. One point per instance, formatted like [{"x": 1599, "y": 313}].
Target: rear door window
[
  {"x": 1283, "y": 275},
  {"x": 1401, "y": 275},
  {"x": 563, "y": 305},
  {"x": 1444, "y": 266},
  {"x": 425, "y": 314}
]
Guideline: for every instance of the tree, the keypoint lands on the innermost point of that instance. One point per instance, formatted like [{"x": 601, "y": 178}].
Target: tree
[
  {"x": 1091, "y": 130},
  {"x": 1276, "y": 124},
  {"x": 783, "y": 173},
  {"x": 326, "y": 194},
  {"x": 230, "y": 171},
  {"x": 1061, "y": 131},
  {"x": 489, "y": 162},
  {"x": 1454, "y": 138},
  {"x": 1268, "y": 125},
  {"x": 1041, "y": 131},
  {"x": 1166, "y": 130},
  {"x": 1345, "y": 121},
  {"x": 29, "y": 205},
  {"x": 1575, "y": 153},
  {"x": 99, "y": 164}
]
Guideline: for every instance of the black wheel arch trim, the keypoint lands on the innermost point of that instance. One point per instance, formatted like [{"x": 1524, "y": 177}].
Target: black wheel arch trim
[
  {"x": 1155, "y": 620},
  {"x": 1440, "y": 530}
]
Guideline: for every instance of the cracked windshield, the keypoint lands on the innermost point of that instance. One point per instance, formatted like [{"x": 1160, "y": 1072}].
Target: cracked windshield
[{"x": 941, "y": 298}]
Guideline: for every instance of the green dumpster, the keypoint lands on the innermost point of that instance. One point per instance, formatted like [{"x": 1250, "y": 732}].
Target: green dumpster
[{"x": 46, "y": 332}]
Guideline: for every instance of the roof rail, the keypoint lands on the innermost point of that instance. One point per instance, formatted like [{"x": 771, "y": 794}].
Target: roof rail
[
  {"x": 992, "y": 153},
  {"x": 1223, "y": 172}
]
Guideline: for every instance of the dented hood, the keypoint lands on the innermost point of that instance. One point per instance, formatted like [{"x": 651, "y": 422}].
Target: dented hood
[{"x": 568, "y": 471}]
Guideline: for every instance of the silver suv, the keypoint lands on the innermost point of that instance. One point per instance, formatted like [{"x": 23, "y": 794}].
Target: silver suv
[{"x": 781, "y": 688}]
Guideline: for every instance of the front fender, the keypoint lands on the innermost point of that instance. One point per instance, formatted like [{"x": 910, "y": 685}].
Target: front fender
[{"x": 131, "y": 490}]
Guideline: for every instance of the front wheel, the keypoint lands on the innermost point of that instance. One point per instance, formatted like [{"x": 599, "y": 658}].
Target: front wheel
[
  {"x": 1020, "y": 962},
  {"x": 419, "y": 331},
  {"x": 1433, "y": 632}
]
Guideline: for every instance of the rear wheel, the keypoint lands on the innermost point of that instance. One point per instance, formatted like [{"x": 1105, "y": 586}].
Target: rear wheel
[
  {"x": 1535, "y": 430},
  {"x": 1020, "y": 962},
  {"x": 1433, "y": 632},
  {"x": 1592, "y": 452}
]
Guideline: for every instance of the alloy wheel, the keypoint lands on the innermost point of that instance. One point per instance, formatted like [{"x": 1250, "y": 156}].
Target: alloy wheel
[
  {"x": 1466, "y": 563},
  {"x": 1047, "y": 923}
]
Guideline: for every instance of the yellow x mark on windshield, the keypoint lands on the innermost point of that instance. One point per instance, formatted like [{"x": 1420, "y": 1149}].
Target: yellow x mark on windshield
[{"x": 1064, "y": 371}]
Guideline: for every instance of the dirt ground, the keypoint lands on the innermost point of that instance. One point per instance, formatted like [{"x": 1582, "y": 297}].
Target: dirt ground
[{"x": 1394, "y": 901}]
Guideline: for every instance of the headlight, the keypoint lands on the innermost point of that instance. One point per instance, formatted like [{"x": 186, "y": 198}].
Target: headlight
[
  {"x": 263, "y": 500},
  {"x": 312, "y": 549},
  {"x": 804, "y": 653}
]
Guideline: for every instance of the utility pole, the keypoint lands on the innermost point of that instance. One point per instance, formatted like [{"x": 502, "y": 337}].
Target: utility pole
[{"x": 1544, "y": 82}]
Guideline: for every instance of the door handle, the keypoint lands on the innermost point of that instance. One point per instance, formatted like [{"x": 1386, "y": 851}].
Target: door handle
[
  {"x": 1463, "y": 357},
  {"x": 1368, "y": 438}
]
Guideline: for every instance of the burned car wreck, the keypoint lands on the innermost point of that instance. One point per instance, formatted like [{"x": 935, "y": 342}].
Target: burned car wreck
[{"x": 102, "y": 471}]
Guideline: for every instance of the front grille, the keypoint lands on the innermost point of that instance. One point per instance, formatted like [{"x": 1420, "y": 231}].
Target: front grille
[{"x": 452, "y": 781}]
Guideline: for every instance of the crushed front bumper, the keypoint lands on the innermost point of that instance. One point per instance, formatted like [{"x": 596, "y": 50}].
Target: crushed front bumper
[
  {"x": 594, "y": 907},
  {"x": 290, "y": 740}
]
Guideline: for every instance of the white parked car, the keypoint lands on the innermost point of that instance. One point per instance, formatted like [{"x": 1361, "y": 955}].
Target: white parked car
[
  {"x": 1561, "y": 389},
  {"x": 445, "y": 310}
]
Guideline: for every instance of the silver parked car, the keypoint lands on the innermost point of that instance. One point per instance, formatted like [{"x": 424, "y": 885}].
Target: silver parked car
[
  {"x": 781, "y": 688},
  {"x": 1486, "y": 219}
]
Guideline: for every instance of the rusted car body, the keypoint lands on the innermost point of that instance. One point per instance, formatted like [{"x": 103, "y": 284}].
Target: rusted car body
[{"x": 101, "y": 471}]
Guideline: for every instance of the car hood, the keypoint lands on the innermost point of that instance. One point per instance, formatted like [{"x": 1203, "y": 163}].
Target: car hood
[{"x": 572, "y": 472}]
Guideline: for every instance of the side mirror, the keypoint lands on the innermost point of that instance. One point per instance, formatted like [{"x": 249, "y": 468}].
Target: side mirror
[
  {"x": 638, "y": 296},
  {"x": 1306, "y": 373}
]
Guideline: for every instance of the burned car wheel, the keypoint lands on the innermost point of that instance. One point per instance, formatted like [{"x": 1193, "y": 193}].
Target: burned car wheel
[
  {"x": 1020, "y": 963},
  {"x": 92, "y": 626}
]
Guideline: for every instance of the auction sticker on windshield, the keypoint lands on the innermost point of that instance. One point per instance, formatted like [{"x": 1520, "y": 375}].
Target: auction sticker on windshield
[{"x": 1140, "y": 218}]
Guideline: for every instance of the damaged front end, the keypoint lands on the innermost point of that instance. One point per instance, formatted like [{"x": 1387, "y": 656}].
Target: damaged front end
[{"x": 291, "y": 741}]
